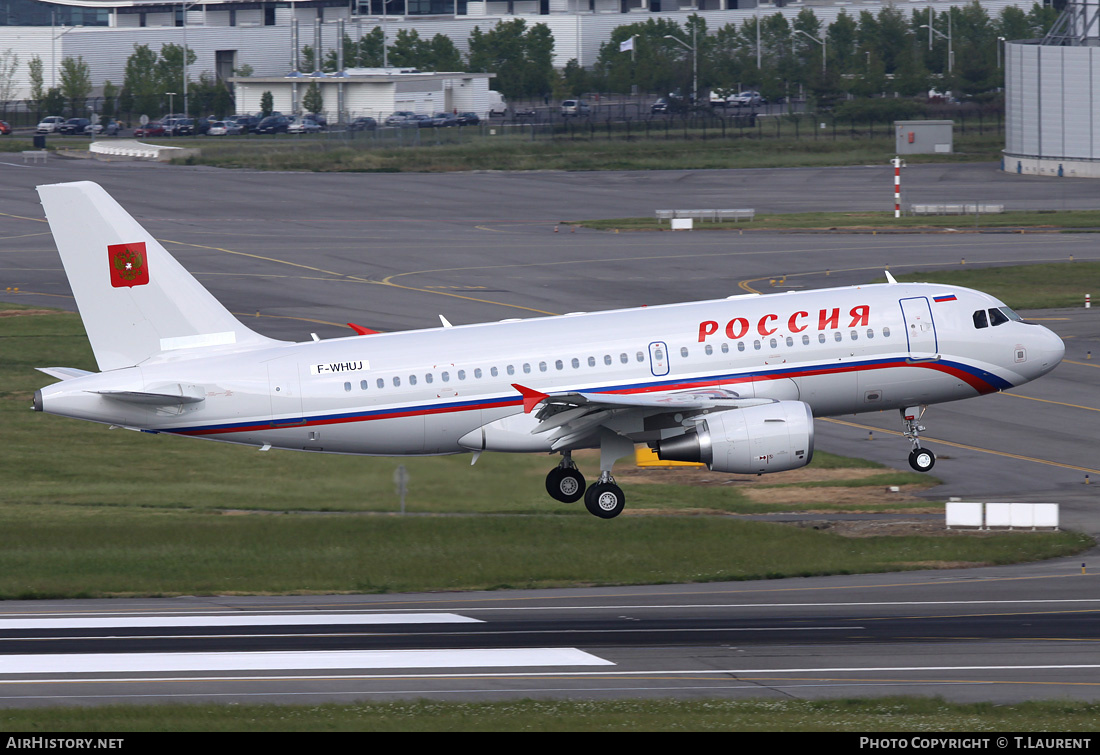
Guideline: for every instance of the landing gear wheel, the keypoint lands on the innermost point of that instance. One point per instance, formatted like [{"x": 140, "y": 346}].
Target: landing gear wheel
[
  {"x": 922, "y": 459},
  {"x": 565, "y": 484},
  {"x": 604, "y": 499}
]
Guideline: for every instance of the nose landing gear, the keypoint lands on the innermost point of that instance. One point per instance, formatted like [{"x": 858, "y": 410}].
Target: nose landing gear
[{"x": 921, "y": 459}]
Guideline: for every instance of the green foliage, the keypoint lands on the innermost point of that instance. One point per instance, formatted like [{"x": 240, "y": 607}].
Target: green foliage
[
  {"x": 76, "y": 84},
  {"x": 312, "y": 100},
  {"x": 267, "y": 103},
  {"x": 890, "y": 109},
  {"x": 521, "y": 57}
]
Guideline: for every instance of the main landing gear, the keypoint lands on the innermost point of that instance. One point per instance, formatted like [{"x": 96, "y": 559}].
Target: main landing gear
[
  {"x": 921, "y": 459},
  {"x": 603, "y": 498}
]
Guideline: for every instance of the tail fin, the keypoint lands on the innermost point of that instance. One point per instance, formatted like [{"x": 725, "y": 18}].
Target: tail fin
[{"x": 134, "y": 298}]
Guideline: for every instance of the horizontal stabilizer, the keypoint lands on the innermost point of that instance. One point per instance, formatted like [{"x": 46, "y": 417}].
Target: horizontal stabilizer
[
  {"x": 178, "y": 393},
  {"x": 64, "y": 373}
]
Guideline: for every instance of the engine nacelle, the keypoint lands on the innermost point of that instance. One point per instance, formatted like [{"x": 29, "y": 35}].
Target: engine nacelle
[{"x": 755, "y": 440}]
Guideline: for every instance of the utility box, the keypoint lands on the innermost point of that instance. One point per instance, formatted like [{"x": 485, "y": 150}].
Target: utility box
[{"x": 923, "y": 137}]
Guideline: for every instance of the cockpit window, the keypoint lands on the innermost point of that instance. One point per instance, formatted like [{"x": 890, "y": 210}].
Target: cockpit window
[
  {"x": 997, "y": 317},
  {"x": 1010, "y": 314},
  {"x": 980, "y": 319}
]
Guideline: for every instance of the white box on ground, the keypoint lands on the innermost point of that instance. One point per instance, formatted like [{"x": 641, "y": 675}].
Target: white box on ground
[
  {"x": 964, "y": 514},
  {"x": 682, "y": 224}
]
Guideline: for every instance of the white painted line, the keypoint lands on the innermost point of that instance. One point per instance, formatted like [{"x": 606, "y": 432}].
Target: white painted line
[
  {"x": 692, "y": 673},
  {"x": 101, "y": 663},
  {"x": 130, "y": 622}
]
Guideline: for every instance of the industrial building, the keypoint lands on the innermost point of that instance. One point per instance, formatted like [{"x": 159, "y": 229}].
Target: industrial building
[
  {"x": 1052, "y": 97},
  {"x": 229, "y": 34}
]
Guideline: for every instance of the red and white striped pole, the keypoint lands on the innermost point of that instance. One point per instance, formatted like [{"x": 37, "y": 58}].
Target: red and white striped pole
[{"x": 897, "y": 186}]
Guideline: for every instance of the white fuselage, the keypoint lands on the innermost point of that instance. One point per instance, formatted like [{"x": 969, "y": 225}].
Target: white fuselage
[{"x": 844, "y": 350}]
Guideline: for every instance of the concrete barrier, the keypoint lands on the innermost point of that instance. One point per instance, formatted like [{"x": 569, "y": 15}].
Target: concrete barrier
[
  {"x": 1011, "y": 516},
  {"x": 34, "y": 155},
  {"x": 712, "y": 215},
  {"x": 956, "y": 209},
  {"x": 136, "y": 150}
]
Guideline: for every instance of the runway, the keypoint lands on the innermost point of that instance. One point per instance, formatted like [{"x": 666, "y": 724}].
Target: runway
[
  {"x": 299, "y": 253},
  {"x": 1002, "y": 635}
]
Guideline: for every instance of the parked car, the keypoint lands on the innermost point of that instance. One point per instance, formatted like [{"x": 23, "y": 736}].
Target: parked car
[
  {"x": 303, "y": 126},
  {"x": 747, "y": 98},
  {"x": 319, "y": 119},
  {"x": 468, "y": 119},
  {"x": 223, "y": 128},
  {"x": 110, "y": 128},
  {"x": 402, "y": 118},
  {"x": 363, "y": 124},
  {"x": 575, "y": 107},
  {"x": 152, "y": 128},
  {"x": 660, "y": 106},
  {"x": 246, "y": 122},
  {"x": 74, "y": 126},
  {"x": 273, "y": 124},
  {"x": 49, "y": 124},
  {"x": 421, "y": 121},
  {"x": 524, "y": 114},
  {"x": 4, "y": 128},
  {"x": 181, "y": 127},
  {"x": 443, "y": 120}
]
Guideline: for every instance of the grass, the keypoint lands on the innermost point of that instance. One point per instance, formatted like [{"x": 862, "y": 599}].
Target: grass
[
  {"x": 919, "y": 718},
  {"x": 91, "y": 512},
  {"x": 1043, "y": 286},
  {"x": 517, "y": 154},
  {"x": 865, "y": 221}
]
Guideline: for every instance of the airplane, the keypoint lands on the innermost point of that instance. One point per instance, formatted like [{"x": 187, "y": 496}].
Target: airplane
[{"x": 733, "y": 383}]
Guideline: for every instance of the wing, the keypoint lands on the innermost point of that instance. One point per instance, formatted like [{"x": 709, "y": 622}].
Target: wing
[{"x": 572, "y": 417}]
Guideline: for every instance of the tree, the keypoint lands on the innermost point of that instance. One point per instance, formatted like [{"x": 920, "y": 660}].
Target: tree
[
  {"x": 141, "y": 92},
  {"x": 369, "y": 52},
  {"x": 9, "y": 64},
  {"x": 521, "y": 58},
  {"x": 312, "y": 101},
  {"x": 76, "y": 83},
  {"x": 267, "y": 103},
  {"x": 38, "y": 90}
]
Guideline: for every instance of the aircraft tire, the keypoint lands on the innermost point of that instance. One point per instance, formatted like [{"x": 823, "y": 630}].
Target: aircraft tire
[
  {"x": 922, "y": 459},
  {"x": 565, "y": 485},
  {"x": 604, "y": 499}
]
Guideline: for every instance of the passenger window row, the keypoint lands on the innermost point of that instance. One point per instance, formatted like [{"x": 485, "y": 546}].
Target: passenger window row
[{"x": 624, "y": 358}]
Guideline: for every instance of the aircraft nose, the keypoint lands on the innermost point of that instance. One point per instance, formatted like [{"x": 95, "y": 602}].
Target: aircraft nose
[{"x": 1050, "y": 351}]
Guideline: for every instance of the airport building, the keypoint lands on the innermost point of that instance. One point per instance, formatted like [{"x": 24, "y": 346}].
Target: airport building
[
  {"x": 1052, "y": 97},
  {"x": 228, "y": 34}
]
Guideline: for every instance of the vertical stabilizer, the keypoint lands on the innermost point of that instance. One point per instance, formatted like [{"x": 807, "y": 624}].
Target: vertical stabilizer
[{"x": 134, "y": 298}]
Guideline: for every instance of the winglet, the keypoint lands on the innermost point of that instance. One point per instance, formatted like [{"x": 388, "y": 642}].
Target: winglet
[
  {"x": 531, "y": 397},
  {"x": 361, "y": 330}
]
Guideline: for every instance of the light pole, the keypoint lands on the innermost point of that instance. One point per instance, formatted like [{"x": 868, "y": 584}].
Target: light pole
[
  {"x": 185, "y": 6},
  {"x": 694, "y": 62},
  {"x": 1000, "y": 41},
  {"x": 819, "y": 41},
  {"x": 171, "y": 109},
  {"x": 950, "y": 49}
]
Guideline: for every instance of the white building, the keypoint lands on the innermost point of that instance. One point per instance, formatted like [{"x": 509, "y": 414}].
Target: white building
[
  {"x": 227, "y": 34},
  {"x": 374, "y": 92}
]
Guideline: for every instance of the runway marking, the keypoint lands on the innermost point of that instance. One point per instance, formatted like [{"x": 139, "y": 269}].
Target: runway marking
[
  {"x": 1051, "y": 401},
  {"x": 132, "y": 622},
  {"x": 363, "y": 614},
  {"x": 748, "y": 673},
  {"x": 1081, "y": 364},
  {"x": 102, "y": 663},
  {"x": 965, "y": 446}
]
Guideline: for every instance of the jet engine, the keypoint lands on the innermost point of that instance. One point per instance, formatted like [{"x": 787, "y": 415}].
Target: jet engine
[{"x": 755, "y": 440}]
